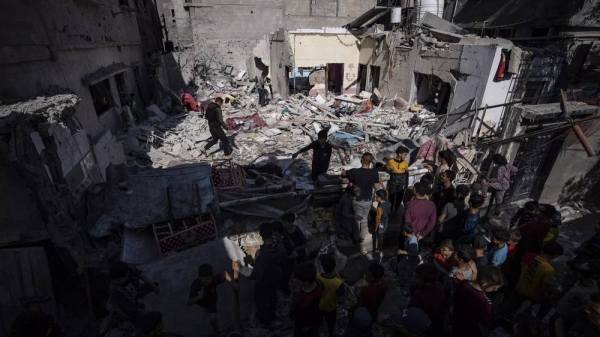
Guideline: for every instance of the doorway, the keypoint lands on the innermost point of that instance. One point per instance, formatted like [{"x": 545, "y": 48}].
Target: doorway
[
  {"x": 374, "y": 79},
  {"x": 335, "y": 77},
  {"x": 362, "y": 78},
  {"x": 433, "y": 93}
]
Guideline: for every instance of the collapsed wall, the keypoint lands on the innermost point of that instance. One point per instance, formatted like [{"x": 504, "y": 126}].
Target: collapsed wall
[{"x": 49, "y": 162}]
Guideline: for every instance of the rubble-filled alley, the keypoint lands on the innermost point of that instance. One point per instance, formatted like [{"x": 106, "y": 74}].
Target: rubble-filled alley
[{"x": 300, "y": 168}]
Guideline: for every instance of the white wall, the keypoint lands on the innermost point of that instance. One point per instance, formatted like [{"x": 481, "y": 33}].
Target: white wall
[
  {"x": 495, "y": 93},
  {"x": 318, "y": 49}
]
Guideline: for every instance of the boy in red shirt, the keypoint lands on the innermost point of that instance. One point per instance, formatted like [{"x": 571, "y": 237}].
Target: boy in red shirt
[
  {"x": 443, "y": 260},
  {"x": 515, "y": 237},
  {"x": 304, "y": 310},
  {"x": 533, "y": 233},
  {"x": 371, "y": 296},
  {"x": 472, "y": 315}
]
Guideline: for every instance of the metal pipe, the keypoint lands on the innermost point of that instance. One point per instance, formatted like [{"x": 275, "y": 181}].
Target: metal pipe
[
  {"x": 533, "y": 133},
  {"x": 237, "y": 202},
  {"x": 584, "y": 141}
]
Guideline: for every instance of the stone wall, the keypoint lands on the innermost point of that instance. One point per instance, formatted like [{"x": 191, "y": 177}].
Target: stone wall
[
  {"x": 233, "y": 28},
  {"x": 68, "y": 41}
]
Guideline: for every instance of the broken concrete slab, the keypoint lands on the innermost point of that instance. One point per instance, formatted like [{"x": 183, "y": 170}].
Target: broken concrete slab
[
  {"x": 154, "y": 111},
  {"x": 108, "y": 151}
]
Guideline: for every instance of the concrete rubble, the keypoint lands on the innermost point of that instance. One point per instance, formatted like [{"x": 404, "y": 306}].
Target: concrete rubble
[{"x": 274, "y": 132}]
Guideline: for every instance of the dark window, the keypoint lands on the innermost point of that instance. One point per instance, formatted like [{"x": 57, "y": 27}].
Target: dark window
[
  {"x": 533, "y": 89},
  {"x": 120, "y": 81},
  {"x": 172, "y": 13},
  {"x": 540, "y": 32},
  {"x": 375, "y": 77},
  {"x": 124, "y": 3},
  {"x": 489, "y": 33},
  {"x": 505, "y": 33},
  {"x": 102, "y": 96}
]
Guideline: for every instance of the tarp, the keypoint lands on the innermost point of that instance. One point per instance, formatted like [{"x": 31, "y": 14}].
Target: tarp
[{"x": 191, "y": 192}]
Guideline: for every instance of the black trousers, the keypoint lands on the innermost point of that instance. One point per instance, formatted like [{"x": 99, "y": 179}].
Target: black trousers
[
  {"x": 396, "y": 195},
  {"x": 330, "y": 318},
  {"x": 318, "y": 169},
  {"x": 218, "y": 135},
  {"x": 262, "y": 97},
  {"x": 265, "y": 298}
]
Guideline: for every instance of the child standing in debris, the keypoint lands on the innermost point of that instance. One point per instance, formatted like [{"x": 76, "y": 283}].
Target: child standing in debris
[
  {"x": 371, "y": 296},
  {"x": 214, "y": 116},
  {"x": 398, "y": 169},
  {"x": 296, "y": 235},
  {"x": 406, "y": 266},
  {"x": 334, "y": 291},
  {"x": 126, "y": 290},
  {"x": 469, "y": 227},
  {"x": 267, "y": 273},
  {"x": 525, "y": 214},
  {"x": 443, "y": 260},
  {"x": 452, "y": 216},
  {"x": 480, "y": 244},
  {"x": 500, "y": 183},
  {"x": 321, "y": 154},
  {"x": 537, "y": 275},
  {"x": 497, "y": 254},
  {"x": 304, "y": 310},
  {"x": 344, "y": 212},
  {"x": 472, "y": 314},
  {"x": 203, "y": 292},
  {"x": 381, "y": 219}
]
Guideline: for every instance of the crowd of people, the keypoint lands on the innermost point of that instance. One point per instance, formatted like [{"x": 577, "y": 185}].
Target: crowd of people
[{"x": 475, "y": 283}]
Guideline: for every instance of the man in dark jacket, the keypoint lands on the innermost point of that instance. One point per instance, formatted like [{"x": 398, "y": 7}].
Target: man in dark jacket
[
  {"x": 214, "y": 116},
  {"x": 344, "y": 212},
  {"x": 321, "y": 154},
  {"x": 267, "y": 273}
]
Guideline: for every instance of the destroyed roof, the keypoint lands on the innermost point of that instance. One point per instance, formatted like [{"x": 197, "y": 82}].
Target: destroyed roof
[
  {"x": 57, "y": 106},
  {"x": 542, "y": 112},
  {"x": 433, "y": 21},
  {"x": 369, "y": 18}
]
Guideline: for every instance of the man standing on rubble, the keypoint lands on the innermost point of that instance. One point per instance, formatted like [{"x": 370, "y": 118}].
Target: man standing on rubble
[
  {"x": 366, "y": 178},
  {"x": 321, "y": 154},
  {"x": 261, "y": 83},
  {"x": 214, "y": 116}
]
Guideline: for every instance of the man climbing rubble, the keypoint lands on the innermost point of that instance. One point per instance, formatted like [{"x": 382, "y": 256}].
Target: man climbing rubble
[
  {"x": 321, "y": 154},
  {"x": 214, "y": 116}
]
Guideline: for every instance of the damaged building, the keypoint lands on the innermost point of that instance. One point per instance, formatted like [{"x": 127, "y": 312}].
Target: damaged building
[{"x": 103, "y": 134}]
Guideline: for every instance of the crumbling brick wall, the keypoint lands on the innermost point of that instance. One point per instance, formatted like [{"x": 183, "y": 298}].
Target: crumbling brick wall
[{"x": 233, "y": 30}]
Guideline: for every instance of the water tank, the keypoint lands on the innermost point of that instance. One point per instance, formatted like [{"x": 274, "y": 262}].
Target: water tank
[
  {"x": 396, "y": 15},
  {"x": 435, "y": 7}
]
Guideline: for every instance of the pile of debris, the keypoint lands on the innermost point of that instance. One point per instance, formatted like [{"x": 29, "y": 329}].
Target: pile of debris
[{"x": 367, "y": 122}]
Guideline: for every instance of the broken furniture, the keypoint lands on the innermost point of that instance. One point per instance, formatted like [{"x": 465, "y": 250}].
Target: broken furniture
[{"x": 182, "y": 233}]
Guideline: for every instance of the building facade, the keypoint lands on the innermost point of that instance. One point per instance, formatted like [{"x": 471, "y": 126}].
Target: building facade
[{"x": 76, "y": 64}]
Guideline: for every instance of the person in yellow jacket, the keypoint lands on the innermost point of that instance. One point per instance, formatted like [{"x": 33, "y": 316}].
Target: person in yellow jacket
[
  {"x": 398, "y": 169},
  {"x": 334, "y": 291}
]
